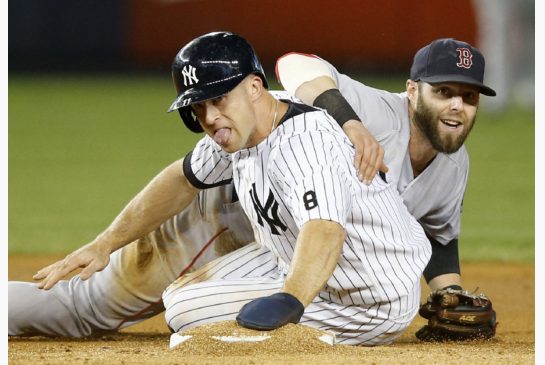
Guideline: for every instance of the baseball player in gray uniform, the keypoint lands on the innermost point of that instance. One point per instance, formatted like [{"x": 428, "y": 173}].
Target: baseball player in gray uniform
[
  {"x": 416, "y": 136},
  {"x": 330, "y": 252}
]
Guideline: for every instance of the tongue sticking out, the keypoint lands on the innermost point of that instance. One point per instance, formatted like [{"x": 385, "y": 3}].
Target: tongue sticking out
[{"x": 222, "y": 135}]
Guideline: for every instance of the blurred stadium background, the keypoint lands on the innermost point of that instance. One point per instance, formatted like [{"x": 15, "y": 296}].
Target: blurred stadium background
[{"x": 89, "y": 84}]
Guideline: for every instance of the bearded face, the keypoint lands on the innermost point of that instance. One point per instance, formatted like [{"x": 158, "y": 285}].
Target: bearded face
[{"x": 444, "y": 126}]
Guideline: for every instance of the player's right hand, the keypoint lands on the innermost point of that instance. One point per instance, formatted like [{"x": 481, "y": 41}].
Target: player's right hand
[
  {"x": 91, "y": 258},
  {"x": 272, "y": 312},
  {"x": 369, "y": 156}
]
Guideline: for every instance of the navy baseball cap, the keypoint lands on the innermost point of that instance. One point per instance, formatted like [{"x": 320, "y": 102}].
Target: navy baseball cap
[{"x": 450, "y": 60}]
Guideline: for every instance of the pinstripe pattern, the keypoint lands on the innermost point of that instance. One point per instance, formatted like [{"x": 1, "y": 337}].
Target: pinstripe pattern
[
  {"x": 218, "y": 290},
  {"x": 303, "y": 171}
]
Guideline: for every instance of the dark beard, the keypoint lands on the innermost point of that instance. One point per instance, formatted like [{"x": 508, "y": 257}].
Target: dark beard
[{"x": 426, "y": 121}]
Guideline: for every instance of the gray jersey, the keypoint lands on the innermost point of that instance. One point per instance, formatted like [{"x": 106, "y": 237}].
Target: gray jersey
[{"x": 435, "y": 196}]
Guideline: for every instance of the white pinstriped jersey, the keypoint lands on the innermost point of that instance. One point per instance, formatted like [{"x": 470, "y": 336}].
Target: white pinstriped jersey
[{"x": 302, "y": 171}]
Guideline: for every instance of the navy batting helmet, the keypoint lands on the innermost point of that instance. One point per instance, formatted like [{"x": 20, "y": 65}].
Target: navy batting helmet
[{"x": 208, "y": 67}]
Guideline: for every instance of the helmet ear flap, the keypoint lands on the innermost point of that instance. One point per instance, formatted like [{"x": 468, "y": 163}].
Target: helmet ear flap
[{"x": 189, "y": 119}]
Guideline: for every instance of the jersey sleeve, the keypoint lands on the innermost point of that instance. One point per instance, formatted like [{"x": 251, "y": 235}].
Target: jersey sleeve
[
  {"x": 315, "y": 184},
  {"x": 208, "y": 166},
  {"x": 379, "y": 110}
]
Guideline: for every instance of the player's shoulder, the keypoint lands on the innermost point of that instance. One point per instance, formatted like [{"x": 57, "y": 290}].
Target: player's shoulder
[
  {"x": 296, "y": 108},
  {"x": 301, "y": 119},
  {"x": 296, "y": 105}
]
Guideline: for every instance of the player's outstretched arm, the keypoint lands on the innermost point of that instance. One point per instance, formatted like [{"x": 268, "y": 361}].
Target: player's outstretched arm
[
  {"x": 309, "y": 79},
  {"x": 167, "y": 194},
  {"x": 319, "y": 245}
]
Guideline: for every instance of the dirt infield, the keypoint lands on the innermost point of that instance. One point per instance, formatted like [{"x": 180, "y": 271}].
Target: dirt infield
[{"x": 148, "y": 342}]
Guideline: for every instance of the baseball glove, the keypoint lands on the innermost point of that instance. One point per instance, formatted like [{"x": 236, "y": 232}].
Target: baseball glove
[{"x": 456, "y": 315}]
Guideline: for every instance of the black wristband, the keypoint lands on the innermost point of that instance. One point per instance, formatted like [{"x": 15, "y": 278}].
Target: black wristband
[
  {"x": 444, "y": 259},
  {"x": 336, "y": 105}
]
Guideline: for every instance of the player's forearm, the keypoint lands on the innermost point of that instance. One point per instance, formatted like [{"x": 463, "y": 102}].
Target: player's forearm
[
  {"x": 317, "y": 251},
  {"x": 167, "y": 194}
]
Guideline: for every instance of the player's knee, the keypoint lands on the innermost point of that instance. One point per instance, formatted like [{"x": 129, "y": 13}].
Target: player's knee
[
  {"x": 178, "y": 309},
  {"x": 195, "y": 305}
]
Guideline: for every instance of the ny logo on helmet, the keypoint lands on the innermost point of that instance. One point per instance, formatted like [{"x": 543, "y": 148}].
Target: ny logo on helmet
[
  {"x": 465, "y": 57},
  {"x": 188, "y": 72}
]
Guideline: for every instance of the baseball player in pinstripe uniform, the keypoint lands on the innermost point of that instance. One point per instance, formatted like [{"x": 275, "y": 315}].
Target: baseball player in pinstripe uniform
[
  {"x": 330, "y": 252},
  {"x": 420, "y": 135}
]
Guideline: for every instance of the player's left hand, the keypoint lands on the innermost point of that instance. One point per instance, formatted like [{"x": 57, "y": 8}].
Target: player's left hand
[
  {"x": 269, "y": 313},
  {"x": 456, "y": 315},
  {"x": 369, "y": 156},
  {"x": 91, "y": 257}
]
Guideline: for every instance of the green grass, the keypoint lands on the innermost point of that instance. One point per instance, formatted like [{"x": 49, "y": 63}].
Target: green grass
[
  {"x": 498, "y": 215},
  {"x": 80, "y": 147}
]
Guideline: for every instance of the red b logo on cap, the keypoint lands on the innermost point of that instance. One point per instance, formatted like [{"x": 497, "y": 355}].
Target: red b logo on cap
[{"x": 465, "y": 57}]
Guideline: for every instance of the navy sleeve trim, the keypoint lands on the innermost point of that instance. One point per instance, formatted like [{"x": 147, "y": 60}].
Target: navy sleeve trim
[
  {"x": 190, "y": 176},
  {"x": 294, "y": 109},
  {"x": 444, "y": 259}
]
